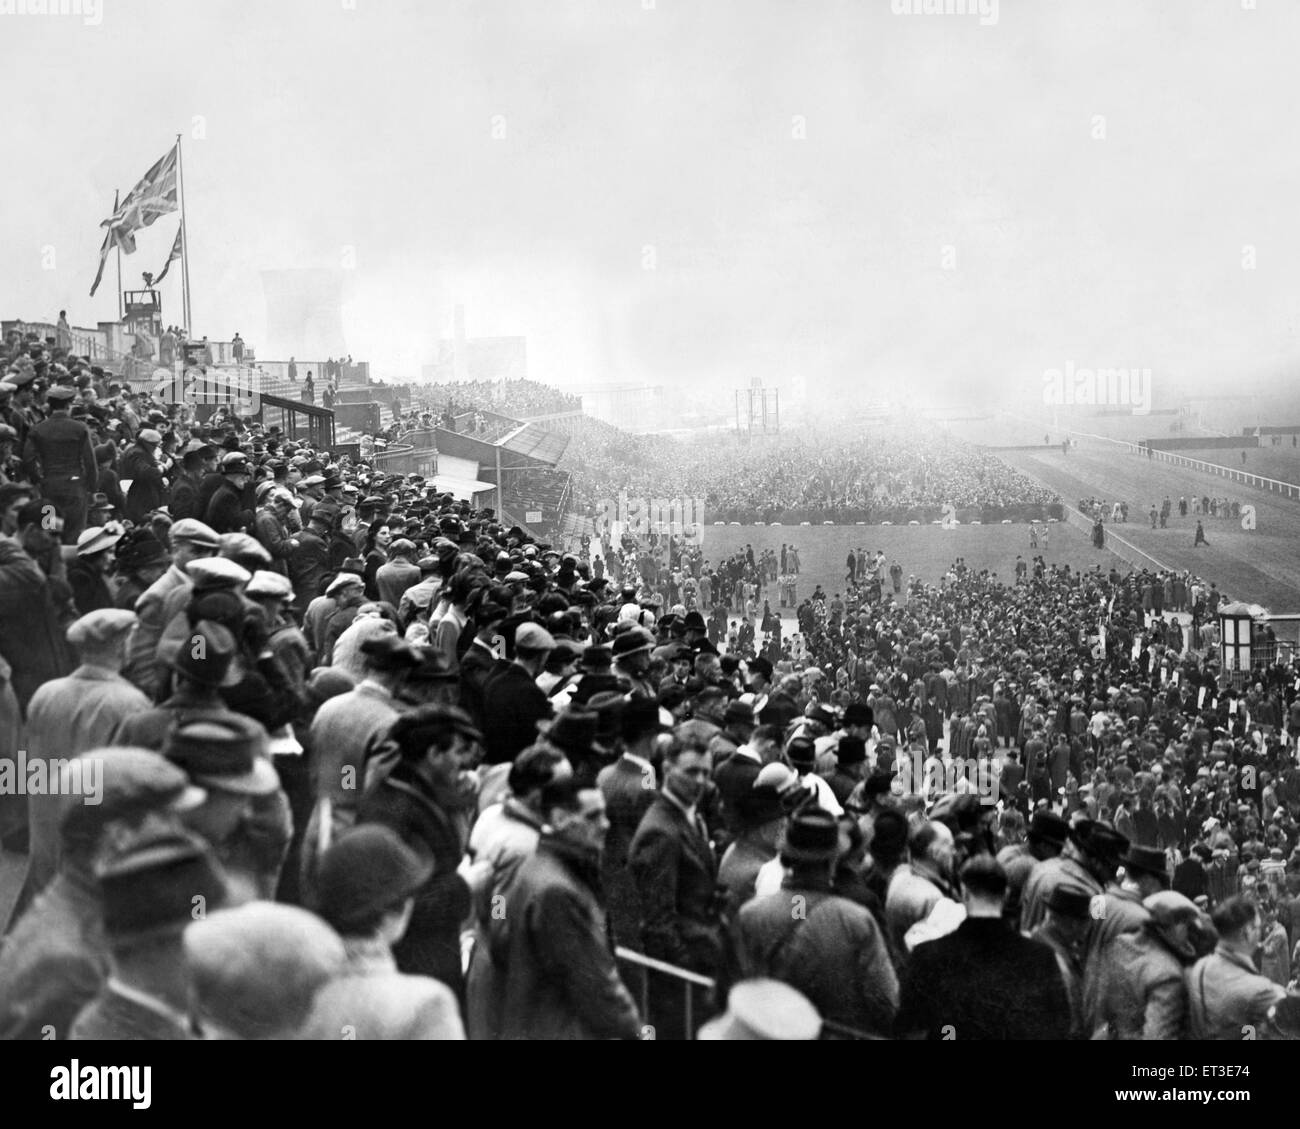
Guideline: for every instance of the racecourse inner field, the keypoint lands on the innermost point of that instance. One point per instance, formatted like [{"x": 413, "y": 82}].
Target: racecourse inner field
[{"x": 925, "y": 551}]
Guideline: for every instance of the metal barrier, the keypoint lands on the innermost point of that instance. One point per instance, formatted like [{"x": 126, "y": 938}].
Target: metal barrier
[
  {"x": 690, "y": 982},
  {"x": 694, "y": 981}
]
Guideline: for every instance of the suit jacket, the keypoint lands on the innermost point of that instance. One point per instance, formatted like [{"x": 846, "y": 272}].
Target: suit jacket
[
  {"x": 512, "y": 705},
  {"x": 476, "y": 667},
  {"x": 675, "y": 873},
  {"x": 983, "y": 981}
]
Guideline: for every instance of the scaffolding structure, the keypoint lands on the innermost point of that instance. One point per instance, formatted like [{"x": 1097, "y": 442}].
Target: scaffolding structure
[{"x": 758, "y": 409}]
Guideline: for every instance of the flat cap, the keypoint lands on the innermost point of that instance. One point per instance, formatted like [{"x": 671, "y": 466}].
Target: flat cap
[
  {"x": 533, "y": 637},
  {"x": 194, "y": 532},
  {"x": 256, "y": 969},
  {"x": 149, "y": 435},
  {"x": 218, "y": 572},
  {"x": 149, "y": 880},
  {"x": 101, "y": 627},
  {"x": 131, "y": 783},
  {"x": 60, "y": 394},
  {"x": 344, "y": 580},
  {"x": 269, "y": 584}
]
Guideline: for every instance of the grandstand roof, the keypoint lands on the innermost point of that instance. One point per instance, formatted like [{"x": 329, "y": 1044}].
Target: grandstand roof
[{"x": 535, "y": 441}]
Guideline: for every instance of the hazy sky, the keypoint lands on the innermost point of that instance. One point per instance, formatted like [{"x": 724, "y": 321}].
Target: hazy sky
[{"x": 688, "y": 191}]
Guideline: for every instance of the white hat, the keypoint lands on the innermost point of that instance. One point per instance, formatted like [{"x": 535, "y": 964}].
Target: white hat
[
  {"x": 96, "y": 539},
  {"x": 765, "y": 1009},
  {"x": 267, "y": 583},
  {"x": 218, "y": 572}
]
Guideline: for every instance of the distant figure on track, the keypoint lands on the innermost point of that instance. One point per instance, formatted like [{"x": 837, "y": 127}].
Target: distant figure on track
[{"x": 1200, "y": 536}]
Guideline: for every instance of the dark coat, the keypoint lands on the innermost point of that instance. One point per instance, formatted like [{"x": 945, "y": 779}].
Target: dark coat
[
  {"x": 147, "y": 490},
  {"x": 833, "y": 952},
  {"x": 561, "y": 978},
  {"x": 32, "y": 640},
  {"x": 89, "y": 588},
  {"x": 435, "y": 827},
  {"x": 627, "y": 799},
  {"x": 675, "y": 873},
  {"x": 983, "y": 981},
  {"x": 225, "y": 512},
  {"x": 513, "y": 704}
]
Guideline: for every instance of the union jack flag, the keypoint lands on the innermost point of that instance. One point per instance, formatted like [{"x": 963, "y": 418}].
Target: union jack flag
[{"x": 155, "y": 195}]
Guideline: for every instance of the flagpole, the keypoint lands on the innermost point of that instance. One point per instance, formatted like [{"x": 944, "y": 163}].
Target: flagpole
[
  {"x": 185, "y": 239},
  {"x": 116, "y": 192}
]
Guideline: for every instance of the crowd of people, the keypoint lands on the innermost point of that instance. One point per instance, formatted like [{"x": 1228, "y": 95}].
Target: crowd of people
[
  {"x": 819, "y": 474},
  {"x": 434, "y": 779}
]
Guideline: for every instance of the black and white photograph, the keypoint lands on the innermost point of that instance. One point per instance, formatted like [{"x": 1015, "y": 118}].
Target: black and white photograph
[{"x": 651, "y": 521}]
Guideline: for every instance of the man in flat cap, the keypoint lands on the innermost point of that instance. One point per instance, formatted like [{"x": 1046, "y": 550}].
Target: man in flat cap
[
  {"x": 346, "y": 734},
  {"x": 366, "y": 891},
  {"x": 67, "y": 716},
  {"x": 59, "y": 455},
  {"x": 191, "y": 540},
  {"x": 151, "y": 882},
  {"x": 255, "y": 970},
  {"x": 55, "y": 959},
  {"x": 512, "y": 701}
]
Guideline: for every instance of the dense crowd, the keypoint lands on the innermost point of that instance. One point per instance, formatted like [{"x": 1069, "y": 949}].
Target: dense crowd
[
  {"x": 426, "y": 773},
  {"x": 820, "y": 474},
  {"x": 508, "y": 397}
]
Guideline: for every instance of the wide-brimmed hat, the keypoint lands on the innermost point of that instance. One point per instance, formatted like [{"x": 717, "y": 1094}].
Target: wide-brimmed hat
[{"x": 224, "y": 752}]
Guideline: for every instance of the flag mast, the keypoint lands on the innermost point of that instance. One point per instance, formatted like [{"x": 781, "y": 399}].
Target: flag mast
[
  {"x": 185, "y": 239},
  {"x": 116, "y": 193}
]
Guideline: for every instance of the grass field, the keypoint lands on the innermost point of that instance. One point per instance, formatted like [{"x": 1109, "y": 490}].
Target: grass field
[
  {"x": 1282, "y": 462},
  {"x": 923, "y": 550}
]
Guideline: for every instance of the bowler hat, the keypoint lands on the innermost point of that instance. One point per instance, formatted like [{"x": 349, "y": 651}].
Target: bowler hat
[
  {"x": 858, "y": 713},
  {"x": 1070, "y": 901},
  {"x": 367, "y": 870},
  {"x": 1150, "y": 860},
  {"x": 851, "y": 750}
]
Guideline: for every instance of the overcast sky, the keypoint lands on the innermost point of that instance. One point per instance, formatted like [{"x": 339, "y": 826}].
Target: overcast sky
[{"x": 688, "y": 191}]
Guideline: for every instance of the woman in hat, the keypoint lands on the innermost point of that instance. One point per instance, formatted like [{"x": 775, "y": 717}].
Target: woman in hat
[
  {"x": 88, "y": 574},
  {"x": 141, "y": 560}
]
